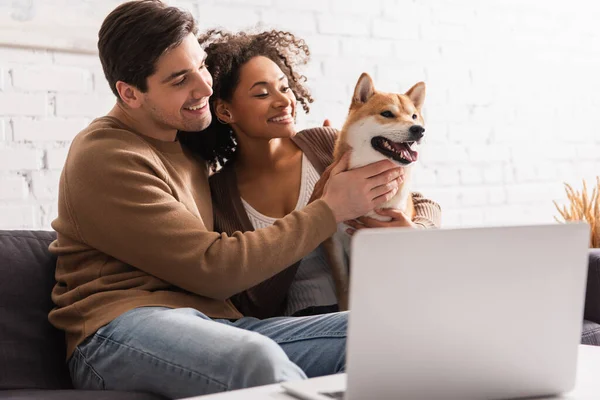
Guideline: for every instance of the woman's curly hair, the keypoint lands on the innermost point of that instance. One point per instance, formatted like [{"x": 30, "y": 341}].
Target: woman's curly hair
[{"x": 226, "y": 54}]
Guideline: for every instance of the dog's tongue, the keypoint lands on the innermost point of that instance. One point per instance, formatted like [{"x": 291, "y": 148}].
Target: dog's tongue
[{"x": 405, "y": 151}]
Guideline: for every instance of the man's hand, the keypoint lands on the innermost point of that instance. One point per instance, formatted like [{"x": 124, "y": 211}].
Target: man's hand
[
  {"x": 399, "y": 219},
  {"x": 351, "y": 194}
]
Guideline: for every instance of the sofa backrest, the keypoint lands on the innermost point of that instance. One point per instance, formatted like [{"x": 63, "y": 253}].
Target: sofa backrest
[{"x": 32, "y": 351}]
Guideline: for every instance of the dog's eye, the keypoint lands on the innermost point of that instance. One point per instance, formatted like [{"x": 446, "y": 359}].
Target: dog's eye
[
  {"x": 414, "y": 116},
  {"x": 387, "y": 114}
]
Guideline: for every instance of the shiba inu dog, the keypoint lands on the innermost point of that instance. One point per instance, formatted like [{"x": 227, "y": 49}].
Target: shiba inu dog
[{"x": 379, "y": 126}]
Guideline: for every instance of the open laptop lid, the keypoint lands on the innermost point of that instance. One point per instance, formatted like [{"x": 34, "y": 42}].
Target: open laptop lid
[{"x": 494, "y": 311}]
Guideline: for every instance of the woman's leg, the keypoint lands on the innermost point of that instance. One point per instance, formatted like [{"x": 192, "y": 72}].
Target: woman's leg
[{"x": 179, "y": 353}]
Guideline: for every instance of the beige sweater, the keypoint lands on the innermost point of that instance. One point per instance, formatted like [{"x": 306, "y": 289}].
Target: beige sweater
[{"x": 135, "y": 228}]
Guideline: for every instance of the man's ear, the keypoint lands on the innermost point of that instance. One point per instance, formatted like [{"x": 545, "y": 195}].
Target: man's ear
[
  {"x": 129, "y": 94},
  {"x": 222, "y": 112}
]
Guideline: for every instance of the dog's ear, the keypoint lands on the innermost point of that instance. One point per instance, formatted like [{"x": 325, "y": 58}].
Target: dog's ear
[
  {"x": 417, "y": 94},
  {"x": 364, "y": 89}
]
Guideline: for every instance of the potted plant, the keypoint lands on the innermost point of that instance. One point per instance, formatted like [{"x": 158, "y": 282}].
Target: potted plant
[{"x": 583, "y": 208}]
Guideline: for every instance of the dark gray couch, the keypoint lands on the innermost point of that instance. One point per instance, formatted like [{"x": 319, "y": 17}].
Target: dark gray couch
[{"x": 32, "y": 352}]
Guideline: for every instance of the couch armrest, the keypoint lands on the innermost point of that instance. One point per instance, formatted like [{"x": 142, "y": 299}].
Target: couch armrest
[{"x": 592, "y": 295}]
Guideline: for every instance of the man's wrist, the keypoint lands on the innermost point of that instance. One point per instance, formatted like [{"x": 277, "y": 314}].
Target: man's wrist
[{"x": 334, "y": 212}]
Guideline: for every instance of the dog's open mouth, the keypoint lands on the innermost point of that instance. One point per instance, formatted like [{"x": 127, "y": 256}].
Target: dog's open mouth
[{"x": 398, "y": 151}]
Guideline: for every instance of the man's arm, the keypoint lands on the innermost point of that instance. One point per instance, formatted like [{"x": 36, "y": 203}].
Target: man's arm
[
  {"x": 119, "y": 199},
  {"x": 122, "y": 205}
]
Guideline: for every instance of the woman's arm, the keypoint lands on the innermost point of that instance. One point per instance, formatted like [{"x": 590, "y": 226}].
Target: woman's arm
[{"x": 428, "y": 213}]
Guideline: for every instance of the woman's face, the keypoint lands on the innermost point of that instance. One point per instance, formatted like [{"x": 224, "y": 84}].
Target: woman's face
[{"x": 262, "y": 105}]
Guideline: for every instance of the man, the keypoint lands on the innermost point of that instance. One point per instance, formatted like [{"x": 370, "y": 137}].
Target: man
[{"x": 142, "y": 281}]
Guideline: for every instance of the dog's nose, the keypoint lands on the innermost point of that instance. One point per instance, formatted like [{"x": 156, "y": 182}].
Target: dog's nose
[{"x": 417, "y": 131}]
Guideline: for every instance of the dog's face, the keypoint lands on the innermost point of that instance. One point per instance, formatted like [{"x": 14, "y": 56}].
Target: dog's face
[{"x": 385, "y": 125}]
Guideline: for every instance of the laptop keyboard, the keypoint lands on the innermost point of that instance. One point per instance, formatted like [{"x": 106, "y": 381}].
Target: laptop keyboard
[{"x": 334, "y": 395}]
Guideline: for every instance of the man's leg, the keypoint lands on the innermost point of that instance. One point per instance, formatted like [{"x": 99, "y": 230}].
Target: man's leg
[
  {"x": 317, "y": 344},
  {"x": 177, "y": 353}
]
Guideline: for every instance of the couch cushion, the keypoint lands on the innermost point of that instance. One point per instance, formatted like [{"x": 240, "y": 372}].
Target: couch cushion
[
  {"x": 32, "y": 351},
  {"x": 590, "y": 333},
  {"x": 75, "y": 395},
  {"x": 592, "y": 295}
]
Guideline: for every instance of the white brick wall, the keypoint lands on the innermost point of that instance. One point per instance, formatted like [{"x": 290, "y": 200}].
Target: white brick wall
[
  {"x": 51, "y": 79},
  {"x": 2, "y": 130},
  {"x": 511, "y": 107},
  {"x": 23, "y": 104}
]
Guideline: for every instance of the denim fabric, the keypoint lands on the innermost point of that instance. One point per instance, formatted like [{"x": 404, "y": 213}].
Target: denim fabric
[{"x": 181, "y": 352}]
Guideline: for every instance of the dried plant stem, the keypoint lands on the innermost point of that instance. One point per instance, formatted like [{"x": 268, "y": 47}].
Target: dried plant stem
[{"x": 583, "y": 208}]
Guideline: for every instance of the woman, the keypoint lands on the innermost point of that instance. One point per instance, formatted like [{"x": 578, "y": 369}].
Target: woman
[{"x": 270, "y": 169}]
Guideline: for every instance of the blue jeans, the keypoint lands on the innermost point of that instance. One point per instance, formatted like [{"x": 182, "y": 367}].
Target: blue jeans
[{"x": 181, "y": 352}]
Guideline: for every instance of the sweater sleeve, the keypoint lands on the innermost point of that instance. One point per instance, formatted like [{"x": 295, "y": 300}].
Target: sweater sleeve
[
  {"x": 428, "y": 213},
  {"x": 122, "y": 204}
]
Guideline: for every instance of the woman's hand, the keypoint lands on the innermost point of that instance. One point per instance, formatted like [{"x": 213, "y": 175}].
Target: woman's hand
[{"x": 399, "y": 220}]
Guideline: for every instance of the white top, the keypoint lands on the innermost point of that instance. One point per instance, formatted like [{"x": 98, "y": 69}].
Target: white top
[{"x": 313, "y": 284}]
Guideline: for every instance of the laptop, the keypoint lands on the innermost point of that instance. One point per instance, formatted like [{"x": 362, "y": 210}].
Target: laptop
[{"x": 471, "y": 313}]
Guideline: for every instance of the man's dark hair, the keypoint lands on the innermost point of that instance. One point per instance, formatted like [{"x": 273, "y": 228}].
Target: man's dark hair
[{"x": 135, "y": 34}]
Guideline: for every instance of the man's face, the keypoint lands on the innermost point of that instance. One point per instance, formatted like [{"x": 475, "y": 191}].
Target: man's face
[{"x": 178, "y": 92}]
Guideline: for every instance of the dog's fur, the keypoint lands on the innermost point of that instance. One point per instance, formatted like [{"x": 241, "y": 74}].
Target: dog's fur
[{"x": 379, "y": 126}]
